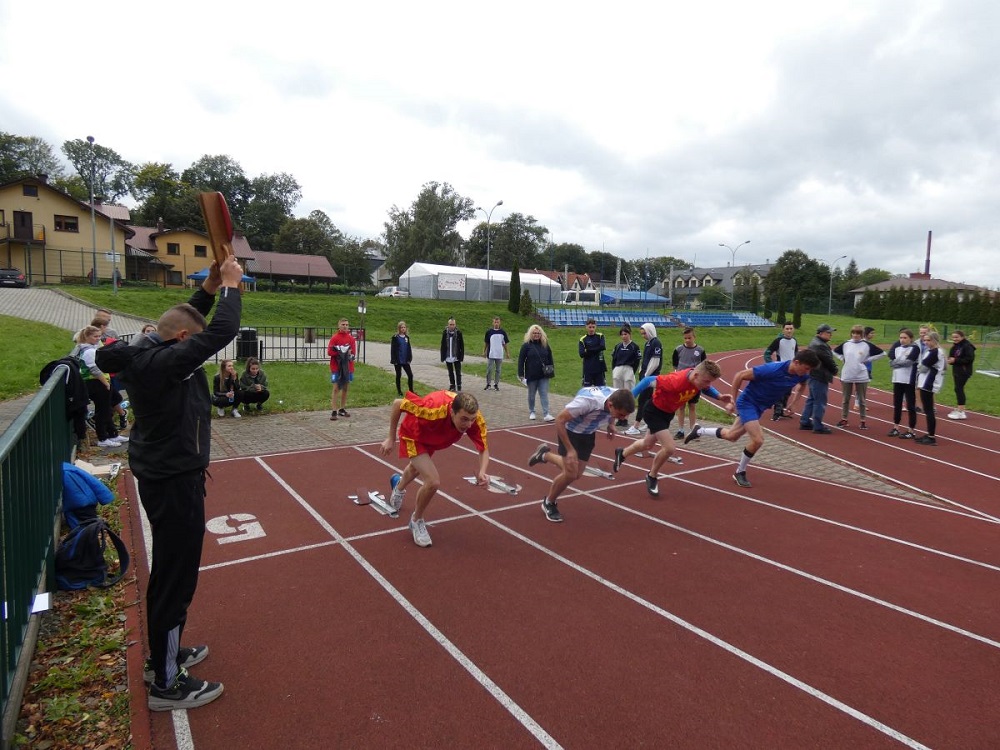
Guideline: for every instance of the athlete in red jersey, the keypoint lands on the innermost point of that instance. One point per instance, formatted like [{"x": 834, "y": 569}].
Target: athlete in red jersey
[
  {"x": 432, "y": 423},
  {"x": 671, "y": 392}
]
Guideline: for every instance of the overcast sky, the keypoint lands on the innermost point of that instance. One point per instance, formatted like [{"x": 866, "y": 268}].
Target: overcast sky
[{"x": 846, "y": 128}]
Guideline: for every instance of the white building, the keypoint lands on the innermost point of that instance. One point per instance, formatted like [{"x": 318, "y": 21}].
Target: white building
[{"x": 431, "y": 281}]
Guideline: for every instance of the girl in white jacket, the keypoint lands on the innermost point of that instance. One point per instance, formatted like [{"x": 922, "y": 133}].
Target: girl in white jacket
[
  {"x": 854, "y": 375},
  {"x": 930, "y": 377},
  {"x": 903, "y": 357}
]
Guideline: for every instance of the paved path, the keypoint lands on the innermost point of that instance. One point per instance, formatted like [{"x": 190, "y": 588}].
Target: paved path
[{"x": 258, "y": 434}]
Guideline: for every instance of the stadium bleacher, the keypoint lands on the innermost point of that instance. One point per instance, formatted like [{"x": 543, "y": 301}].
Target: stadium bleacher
[{"x": 605, "y": 318}]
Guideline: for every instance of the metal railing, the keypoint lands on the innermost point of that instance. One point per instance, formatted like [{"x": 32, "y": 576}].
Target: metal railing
[
  {"x": 287, "y": 344},
  {"x": 32, "y": 451}
]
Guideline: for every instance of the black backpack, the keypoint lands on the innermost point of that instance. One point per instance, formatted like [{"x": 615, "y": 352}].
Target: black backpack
[{"x": 80, "y": 558}]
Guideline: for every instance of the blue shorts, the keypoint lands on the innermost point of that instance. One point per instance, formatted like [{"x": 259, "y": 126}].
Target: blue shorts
[
  {"x": 748, "y": 411},
  {"x": 335, "y": 377}
]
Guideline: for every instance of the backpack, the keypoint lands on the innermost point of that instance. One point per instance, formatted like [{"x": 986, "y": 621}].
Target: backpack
[{"x": 80, "y": 558}]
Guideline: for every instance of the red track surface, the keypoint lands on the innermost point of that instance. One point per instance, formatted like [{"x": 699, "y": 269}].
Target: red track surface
[{"x": 799, "y": 613}]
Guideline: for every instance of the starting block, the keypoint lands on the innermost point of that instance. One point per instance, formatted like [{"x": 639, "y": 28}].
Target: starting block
[
  {"x": 375, "y": 499},
  {"x": 498, "y": 485},
  {"x": 595, "y": 472}
]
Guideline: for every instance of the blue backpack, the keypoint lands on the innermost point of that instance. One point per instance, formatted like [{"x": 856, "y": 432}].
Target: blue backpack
[{"x": 80, "y": 558}]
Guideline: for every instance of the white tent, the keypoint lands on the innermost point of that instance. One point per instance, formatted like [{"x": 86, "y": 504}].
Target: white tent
[{"x": 431, "y": 281}]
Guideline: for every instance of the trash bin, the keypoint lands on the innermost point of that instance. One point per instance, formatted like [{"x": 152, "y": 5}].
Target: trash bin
[{"x": 246, "y": 344}]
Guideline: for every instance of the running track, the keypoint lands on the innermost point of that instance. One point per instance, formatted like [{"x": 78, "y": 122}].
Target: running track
[{"x": 799, "y": 613}]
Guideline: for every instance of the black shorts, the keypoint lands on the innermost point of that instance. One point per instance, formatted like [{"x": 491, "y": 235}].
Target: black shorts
[
  {"x": 657, "y": 420},
  {"x": 696, "y": 399},
  {"x": 582, "y": 444}
]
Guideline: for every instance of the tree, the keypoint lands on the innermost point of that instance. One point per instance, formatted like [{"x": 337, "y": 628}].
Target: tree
[
  {"x": 352, "y": 263},
  {"x": 527, "y": 306},
  {"x": 112, "y": 175},
  {"x": 514, "y": 302},
  {"x": 872, "y": 276},
  {"x": 796, "y": 271},
  {"x": 713, "y": 296},
  {"x": 307, "y": 237},
  {"x": 427, "y": 230},
  {"x": 516, "y": 238},
  {"x": 222, "y": 174},
  {"x": 272, "y": 199},
  {"x": 782, "y": 308},
  {"x": 797, "y": 312},
  {"x": 568, "y": 254},
  {"x": 754, "y": 299},
  {"x": 27, "y": 156},
  {"x": 162, "y": 195}
]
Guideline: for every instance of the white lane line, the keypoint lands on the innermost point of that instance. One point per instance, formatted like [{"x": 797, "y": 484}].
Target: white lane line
[{"x": 543, "y": 737}]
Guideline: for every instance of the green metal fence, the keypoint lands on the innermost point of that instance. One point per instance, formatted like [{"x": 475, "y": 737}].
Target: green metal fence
[{"x": 32, "y": 451}]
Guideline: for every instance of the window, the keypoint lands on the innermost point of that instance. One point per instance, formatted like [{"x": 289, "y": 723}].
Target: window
[
  {"x": 30, "y": 190},
  {"x": 67, "y": 223},
  {"x": 201, "y": 251},
  {"x": 2, "y": 220},
  {"x": 173, "y": 248}
]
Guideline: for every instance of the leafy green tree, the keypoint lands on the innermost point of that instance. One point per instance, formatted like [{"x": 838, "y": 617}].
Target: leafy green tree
[
  {"x": 796, "y": 271},
  {"x": 797, "y": 312},
  {"x": 427, "y": 231},
  {"x": 569, "y": 254},
  {"x": 527, "y": 305},
  {"x": 870, "y": 306},
  {"x": 272, "y": 199},
  {"x": 222, "y": 174},
  {"x": 782, "y": 308},
  {"x": 894, "y": 304},
  {"x": 754, "y": 299},
  {"x": 872, "y": 276},
  {"x": 517, "y": 238},
  {"x": 307, "y": 237},
  {"x": 112, "y": 175},
  {"x": 352, "y": 263},
  {"x": 160, "y": 193},
  {"x": 514, "y": 301},
  {"x": 27, "y": 156},
  {"x": 713, "y": 296}
]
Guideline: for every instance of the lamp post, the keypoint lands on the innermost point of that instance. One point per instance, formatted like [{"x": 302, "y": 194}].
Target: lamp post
[
  {"x": 829, "y": 299},
  {"x": 732, "y": 292},
  {"x": 489, "y": 215},
  {"x": 93, "y": 218}
]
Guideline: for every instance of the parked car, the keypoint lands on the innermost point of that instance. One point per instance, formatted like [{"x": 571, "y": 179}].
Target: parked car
[
  {"x": 13, "y": 277},
  {"x": 393, "y": 291}
]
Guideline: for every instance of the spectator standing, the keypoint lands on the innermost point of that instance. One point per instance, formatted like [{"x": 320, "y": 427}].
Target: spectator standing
[
  {"x": 687, "y": 356},
  {"x": 903, "y": 357},
  {"x": 98, "y": 386},
  {"x": 342, "y": 350},
  {"x": 856, "y": 353},
  {"x": 226, "y": 389},
  {"x": 782, "y": 349},
  {"x": 496, "y": 351},
  {"x": 534, "y": 368},
  {"x": 961, "y": 356},
  {"x": 453, "y": 354},
  {"x": 400, "y": 356},
  {"x": 652, "y": 363},
  {"x": 625, "y": 359},
  {"x": 820, "y": 378},
  {"x": 591, "y": 348},
  {"x": 253, "y": 384},
  {"x": 930, "y": 378},
  {"x": 169, "y": 455}
]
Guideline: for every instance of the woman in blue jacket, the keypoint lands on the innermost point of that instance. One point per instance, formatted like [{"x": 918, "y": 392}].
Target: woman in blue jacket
[{"x": 400, "y": 355}]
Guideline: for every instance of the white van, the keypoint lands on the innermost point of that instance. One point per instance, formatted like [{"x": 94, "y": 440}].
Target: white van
[{"x": 581, "y": 297}]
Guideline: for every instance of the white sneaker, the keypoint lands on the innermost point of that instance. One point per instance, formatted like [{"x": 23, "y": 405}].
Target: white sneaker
[
  {"x": 962, "y": 415},
  {"x": 109, "y": 443},
  {"x": 549, "y": 418},
  {"x": 420, "y": 536},
  {"x": 120, "y": 439},
  {"x": 531, "y": 416},
  {"x": 219, "y": 411},
  {"x": 236, "y": 413},
  {"x": 633, "y": 430},
  {"x": 957, "y": 415}
]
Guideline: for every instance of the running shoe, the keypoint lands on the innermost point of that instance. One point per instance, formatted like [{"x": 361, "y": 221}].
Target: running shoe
[
  {"x": 550, "y": 418},
  {"x": 219, "y": 411},
  {"x": 633, "y": 430},
  {"x": 532, "y": 416},
  {"x": 862, "y": 426},
  {"x": 186, "y": 657},
  {"x": 343, "y": 413},
  {"x": 893, "y": 433},
  {"x": 619, "y": 459},
  {"x": 679, "y": 435},
  {"x": 396, "y": 496},
  {"x": 538, "y": 457},
  {"x": 926, "y": 440},
  {"x": 651, "y": 485},
  {"x": 842, "y": 423},
  {"x": 741, "y": 479},
  {"x": 551, "y": 511},
  {"x": 693, "y": 435},
  {"x": 420, "y": 536},
  {"x": 186, "y": 692},
  {"x": 907, "y": 436}
]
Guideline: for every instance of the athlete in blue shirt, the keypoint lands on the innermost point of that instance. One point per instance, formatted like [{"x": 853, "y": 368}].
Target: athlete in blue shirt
[{"x": 765, "y": 386}]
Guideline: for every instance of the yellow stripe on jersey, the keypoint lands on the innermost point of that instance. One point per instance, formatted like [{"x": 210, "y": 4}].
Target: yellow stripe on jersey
[{"x": 424, "y": 412}]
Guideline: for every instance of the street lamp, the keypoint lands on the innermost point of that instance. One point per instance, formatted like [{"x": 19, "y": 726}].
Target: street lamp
[
  {"x": 829, "y": 299},
  {"x": 732, "y": 276},
  {"x": 488, "y": 216},
  {"x": 93, "y": 218}
]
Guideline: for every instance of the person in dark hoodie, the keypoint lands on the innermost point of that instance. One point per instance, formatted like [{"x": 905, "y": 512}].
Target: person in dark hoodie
[
  {"x": 169, "y": 455},
  {"x": 960, "y": 358},
  {"x": 819, "y": 382}
]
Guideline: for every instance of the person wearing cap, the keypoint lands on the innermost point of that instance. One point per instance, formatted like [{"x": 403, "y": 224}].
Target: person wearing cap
[{"x": 819, "y": 382}]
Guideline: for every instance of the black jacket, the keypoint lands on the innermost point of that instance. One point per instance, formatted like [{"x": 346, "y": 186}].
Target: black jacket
[
  {"x": 459, "y": 345},
  {"x": 76, "y": 391},
  {"x": 964, "y": 354},
  {"x": 394, "y": 351},
  {"x": 532, "y": 359},
  {"x": 827, "y": 365},
  {"x": 168, "y": 388}
]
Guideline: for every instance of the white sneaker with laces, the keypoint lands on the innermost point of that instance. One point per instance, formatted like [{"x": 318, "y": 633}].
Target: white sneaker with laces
[
  {"x": 108, "y": 443},
  {"x": 219, "y": 411},
  {"x": 549, "y": 418},
  {"x": 633, "y": 430},
  {"x": 420, "y": 536},
  {"x": 236, "y": 413},
  {"x": 531, "y": 416},
  {"x": 956, "y": 414}
]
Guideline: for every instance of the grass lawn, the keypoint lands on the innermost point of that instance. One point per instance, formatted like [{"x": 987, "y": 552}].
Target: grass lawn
[{"x": 426, "y": 320}]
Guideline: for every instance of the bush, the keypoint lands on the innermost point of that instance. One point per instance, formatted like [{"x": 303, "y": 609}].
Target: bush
[{"x": 527, "y": 306}]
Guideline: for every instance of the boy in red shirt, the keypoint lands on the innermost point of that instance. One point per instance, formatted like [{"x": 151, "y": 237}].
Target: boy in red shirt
[
  {"x": 670, "y": 393},
  {"x": 431, "y": 423},
  {"x": 342, "y": 350}
]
